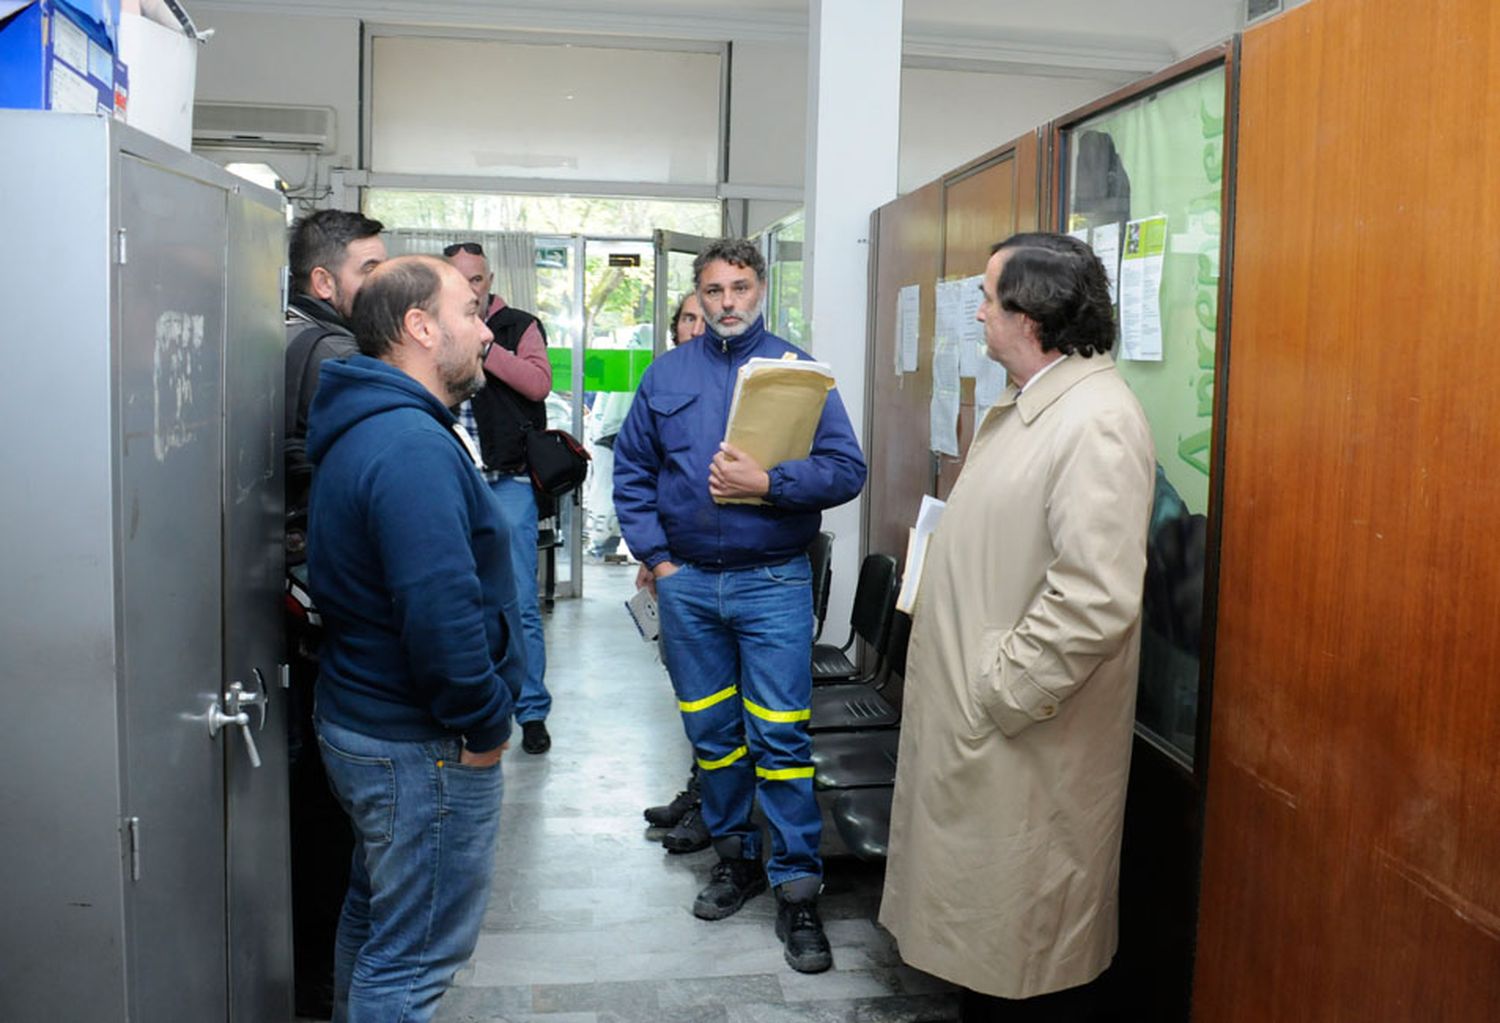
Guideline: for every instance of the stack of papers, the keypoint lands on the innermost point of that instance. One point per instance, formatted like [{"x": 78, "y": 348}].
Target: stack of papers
[
  {"x": 917, "y": 539},
  {"x": 775, "y": 411}
]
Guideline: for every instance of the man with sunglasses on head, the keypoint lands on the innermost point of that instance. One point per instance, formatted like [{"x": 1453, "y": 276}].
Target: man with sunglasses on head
[{"x": 517, "y": 380}]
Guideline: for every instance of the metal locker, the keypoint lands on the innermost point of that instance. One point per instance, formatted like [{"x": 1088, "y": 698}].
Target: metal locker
[{"x": 144, "y": 875}]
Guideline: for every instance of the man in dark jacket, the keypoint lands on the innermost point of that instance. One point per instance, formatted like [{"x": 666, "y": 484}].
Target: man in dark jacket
[
  {"x": 331, "y": 254},
  {"x": 735, "y": 592},
  {"x": 408, "y": 564},
  {"x": 518, "y": 378}
]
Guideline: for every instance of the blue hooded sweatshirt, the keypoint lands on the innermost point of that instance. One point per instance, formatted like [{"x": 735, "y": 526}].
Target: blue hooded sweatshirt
[
  {"x": 408, "y": 566},
  {"x": 670, "y": 437}
]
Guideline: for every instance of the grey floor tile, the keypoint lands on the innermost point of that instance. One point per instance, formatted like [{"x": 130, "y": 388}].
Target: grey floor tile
[
  {"x": 719, "y": 991},
  {"x": 835, "y": 984},
  {"x": 634, "y": 997},
  {"x": 691, "y": 1014},
  {"x": 483, "y": 1003},
  {"x": 907, "y": 1009},
  {"x": 802, "y": 1012},
  {"x": 685, "y": 1014}
]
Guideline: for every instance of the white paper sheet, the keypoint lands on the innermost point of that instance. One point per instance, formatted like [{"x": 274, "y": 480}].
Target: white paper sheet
[
  {"x": 1107, "y": 248},
  {"x": 945, "y": 393},
  {"x": 917, "y": 539},
  {"x": 1140, "y": 289},
  {"x": 971, "y": 331},
  {"x": 908, "y": 321},
  {"x": 989, "y": 384}
]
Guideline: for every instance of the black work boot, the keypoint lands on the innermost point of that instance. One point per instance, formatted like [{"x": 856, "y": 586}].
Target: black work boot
[
  {"x": 732, "y": 882},
  {"x": 534, "y": 737},
  {"x": 670, "y": 814},
  {"x": 690, "y": 834},
  {"x": 801, "y": 932}
]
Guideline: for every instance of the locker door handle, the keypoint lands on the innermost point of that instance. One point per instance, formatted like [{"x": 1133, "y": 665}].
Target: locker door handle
[{"x": 219, "y": 719}]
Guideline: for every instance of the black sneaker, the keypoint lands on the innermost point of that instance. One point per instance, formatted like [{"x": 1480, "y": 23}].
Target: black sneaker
[
  {"x": 801, "y": 930},
  {"x": 534, "y": 737},
  {"x": 732, "y": 883},
  {"x": 672, "y": 813},
  {"x": 690, "y": 834}
]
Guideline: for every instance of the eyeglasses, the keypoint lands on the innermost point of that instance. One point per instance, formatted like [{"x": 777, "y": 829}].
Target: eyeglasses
[{"x": 472, "y": 248}]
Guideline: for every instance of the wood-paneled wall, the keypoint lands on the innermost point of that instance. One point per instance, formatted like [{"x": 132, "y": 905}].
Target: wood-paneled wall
[
  {"x": 944, "y": 229},
  {"x": 1352, "y": 851},
  {"x": 908, "y": 250}
]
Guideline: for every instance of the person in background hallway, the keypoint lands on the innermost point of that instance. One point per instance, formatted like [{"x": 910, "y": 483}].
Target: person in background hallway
[
  {"x": 408, "y": 563},
  {"x": 609, "y": 413},
  {"x": 683, "y": 816},
  {"x": 517, "y": 378},
  {"x": 687, "y": 320},
  {"x": 331, "y": 254},
  {"x": 735, "y": 593},
  {"x": 1021, "y": 672}
]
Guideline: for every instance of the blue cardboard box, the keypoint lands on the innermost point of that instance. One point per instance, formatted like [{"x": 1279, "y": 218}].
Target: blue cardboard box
[{"x": 59, "y": 55}]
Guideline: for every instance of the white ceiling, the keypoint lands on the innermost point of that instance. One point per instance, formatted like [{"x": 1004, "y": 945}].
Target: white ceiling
[{"x": 1060, "y": 37}]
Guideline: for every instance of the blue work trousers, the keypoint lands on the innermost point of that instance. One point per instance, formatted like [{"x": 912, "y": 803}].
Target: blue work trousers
[
  {"x": 425, "y": 829},
  {"x": 738, "y": 646},
  {"x": 518, "y": 504}
]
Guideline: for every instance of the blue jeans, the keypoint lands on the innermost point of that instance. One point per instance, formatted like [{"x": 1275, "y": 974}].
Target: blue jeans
[
  {"x": 424, "y": 849},
  {"x": 518, "y": 503},
  {"x": 738, "y": 646}
]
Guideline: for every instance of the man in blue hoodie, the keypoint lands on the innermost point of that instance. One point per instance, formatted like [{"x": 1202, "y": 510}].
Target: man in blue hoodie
[
  {"x": 735, "y": 592},
  {"x": 408, "y": 564}
]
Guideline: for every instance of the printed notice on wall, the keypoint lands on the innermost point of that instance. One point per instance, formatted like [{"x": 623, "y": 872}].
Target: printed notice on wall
[
  {"x": 950, "y": 323},
  {"x": 945, "y": 393},
  {"x": 1107, "y": 248},
  {"x": 908, "y": 320},
  {"x": 970, "y": 330},
  {"x": 989, "y": 384},
  {"x": 1140, "y": 288}
]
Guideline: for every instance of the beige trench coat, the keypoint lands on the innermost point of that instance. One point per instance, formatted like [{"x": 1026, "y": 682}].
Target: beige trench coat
[{"x": 1020, "y": 694}]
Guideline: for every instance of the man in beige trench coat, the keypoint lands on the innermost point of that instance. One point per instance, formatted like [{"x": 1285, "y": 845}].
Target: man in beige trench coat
[{"x": 1021, "y": 674}]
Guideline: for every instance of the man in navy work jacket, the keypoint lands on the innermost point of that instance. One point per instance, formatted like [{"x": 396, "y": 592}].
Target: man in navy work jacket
[
  {"x": 408, "y": 563},
  {"x": 735, "y": 592}
]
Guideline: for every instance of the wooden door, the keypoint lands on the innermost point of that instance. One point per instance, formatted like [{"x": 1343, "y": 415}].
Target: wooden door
[
  {"x": 907, "y": 252},
  {"x": 1352, "y": 856},
  {"x": 984, "y": 202}
]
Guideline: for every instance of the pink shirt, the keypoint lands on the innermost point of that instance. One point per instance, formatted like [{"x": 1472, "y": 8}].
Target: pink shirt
[{"x": 526, "y": 370}]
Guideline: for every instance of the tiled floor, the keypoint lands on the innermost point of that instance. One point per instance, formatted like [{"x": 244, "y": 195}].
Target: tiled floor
[{"x": 589, "y": 920}]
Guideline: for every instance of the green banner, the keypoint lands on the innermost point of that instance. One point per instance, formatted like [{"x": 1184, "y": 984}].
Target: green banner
[
  {"x": 1171, "y": 148},
  {"x": 604, "y": 369}
]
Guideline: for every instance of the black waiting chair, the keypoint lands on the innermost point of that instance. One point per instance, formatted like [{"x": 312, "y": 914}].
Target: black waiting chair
[
  {"x": 863, "y": 820},
  {"x": 874, "y": 600},
  {"x": 852, "y": 706},
  {"x": 866, "y": 757},
  {"x": 820, "y": 556}
]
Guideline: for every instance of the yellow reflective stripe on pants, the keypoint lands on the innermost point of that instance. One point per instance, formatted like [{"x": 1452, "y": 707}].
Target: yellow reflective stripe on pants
[
  {"x": 714, "y": 765},
  {"x": 784, "y": 773},
  {"x": 783, "y": 716},
  {"x": 690, "y": 706}
]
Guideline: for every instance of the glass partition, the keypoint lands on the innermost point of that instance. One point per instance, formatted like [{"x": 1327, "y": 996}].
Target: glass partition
[
  {"x": 784, "y": 279},
  {"x": 1143, "y": 184}
]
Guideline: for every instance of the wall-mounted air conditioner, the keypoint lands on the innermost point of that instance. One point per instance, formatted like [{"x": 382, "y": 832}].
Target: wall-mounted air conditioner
[{"x": 262, "y": 126}]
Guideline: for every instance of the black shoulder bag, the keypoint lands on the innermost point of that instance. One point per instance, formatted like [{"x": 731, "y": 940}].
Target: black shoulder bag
[{"x": 557, "y": 462}]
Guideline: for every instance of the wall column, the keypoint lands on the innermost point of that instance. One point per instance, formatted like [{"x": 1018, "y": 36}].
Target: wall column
[{"x": 853, "y": 133}]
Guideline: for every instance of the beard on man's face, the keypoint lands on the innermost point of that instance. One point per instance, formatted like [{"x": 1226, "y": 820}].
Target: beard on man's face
[
  {"x": 746, "y": 317},
  {"x": 462, "y": 378}
]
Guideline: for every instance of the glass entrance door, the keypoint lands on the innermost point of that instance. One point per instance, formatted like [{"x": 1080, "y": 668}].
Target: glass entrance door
[
  {"x": 675, "y": 253},
  {"x": 560, "y": 285}
]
